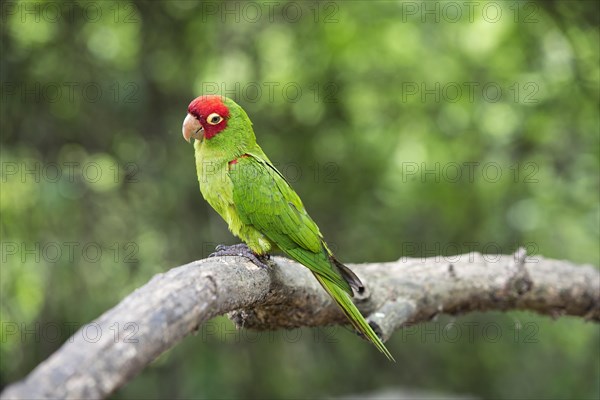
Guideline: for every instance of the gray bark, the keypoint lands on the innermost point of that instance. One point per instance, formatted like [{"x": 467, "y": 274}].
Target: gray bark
[{"x": 408, "y": 291}]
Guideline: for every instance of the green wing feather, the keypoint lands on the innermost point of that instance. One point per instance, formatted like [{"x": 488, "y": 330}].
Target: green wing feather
[{"x": 265, "y": 200}]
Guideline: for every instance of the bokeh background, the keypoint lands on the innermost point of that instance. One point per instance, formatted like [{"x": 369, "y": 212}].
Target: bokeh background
[{"x": 408, "y": 128}]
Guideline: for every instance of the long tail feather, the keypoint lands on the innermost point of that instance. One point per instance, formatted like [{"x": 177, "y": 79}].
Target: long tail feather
[
  {"x": 349, "y": 276},
  {"x": 358, "y": 322}
]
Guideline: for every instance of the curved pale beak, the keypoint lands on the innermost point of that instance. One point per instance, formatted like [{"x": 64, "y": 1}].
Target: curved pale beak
[{"x": 191, "y": 128}]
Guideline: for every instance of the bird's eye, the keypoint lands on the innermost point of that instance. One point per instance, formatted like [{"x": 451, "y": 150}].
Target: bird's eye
[{"x": 214, "y": 119}]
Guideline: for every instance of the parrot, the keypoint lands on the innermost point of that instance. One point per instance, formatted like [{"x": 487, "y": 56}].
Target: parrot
[{"x": 258, "y": 204}]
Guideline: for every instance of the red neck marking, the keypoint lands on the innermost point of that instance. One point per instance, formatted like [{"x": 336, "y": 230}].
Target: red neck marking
[{"x": 235, "y": 160}]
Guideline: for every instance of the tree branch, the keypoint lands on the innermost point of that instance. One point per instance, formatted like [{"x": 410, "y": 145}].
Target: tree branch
[{"x": 408, "y": 291}]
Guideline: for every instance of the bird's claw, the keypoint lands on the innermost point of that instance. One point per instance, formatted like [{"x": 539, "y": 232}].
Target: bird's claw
[
  {"x": 241, "y": 250},
  {"x": 219, "y": 247}
]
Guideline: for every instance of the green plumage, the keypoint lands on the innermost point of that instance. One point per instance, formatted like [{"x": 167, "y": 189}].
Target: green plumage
[{"x": 262, "y": 209}]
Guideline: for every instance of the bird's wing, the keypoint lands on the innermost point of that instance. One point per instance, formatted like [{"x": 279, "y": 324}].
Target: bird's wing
[{"x": 265, "y": 200}]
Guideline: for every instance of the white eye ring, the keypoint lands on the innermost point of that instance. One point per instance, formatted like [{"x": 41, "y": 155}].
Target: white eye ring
[{"x": 214, "y": 119}]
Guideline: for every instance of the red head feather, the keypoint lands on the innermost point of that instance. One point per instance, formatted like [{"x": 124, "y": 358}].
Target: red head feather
[{"x": 203, "y": 106}]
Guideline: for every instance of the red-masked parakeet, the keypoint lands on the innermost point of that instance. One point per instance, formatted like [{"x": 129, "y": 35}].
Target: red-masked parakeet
[{"x": 239, "y": 181}]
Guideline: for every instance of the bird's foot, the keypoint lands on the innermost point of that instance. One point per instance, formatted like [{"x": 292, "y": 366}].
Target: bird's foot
[{"x": 241, "y": 250}]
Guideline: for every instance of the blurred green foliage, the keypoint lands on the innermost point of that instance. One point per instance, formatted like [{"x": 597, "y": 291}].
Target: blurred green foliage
[{"x": 392, "y": 120}]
